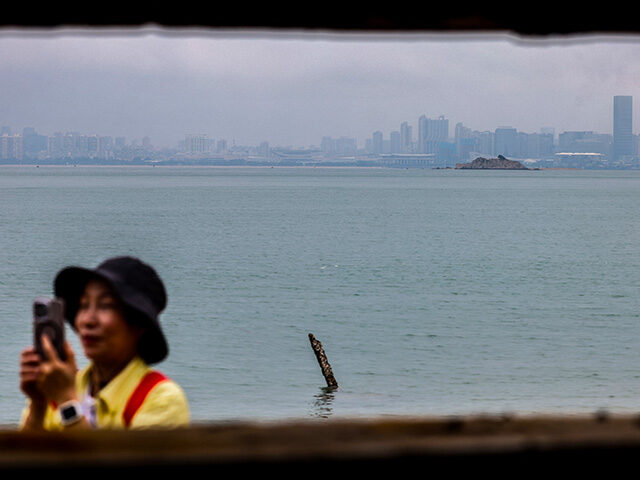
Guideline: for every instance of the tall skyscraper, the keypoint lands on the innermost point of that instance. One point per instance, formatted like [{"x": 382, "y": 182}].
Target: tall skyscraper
[
  {"x": 432, "y": 132},
  {"x": 622, "y": 126},
  {"x": 463, "y": 148},
  {"x": 378, "y": 142},
  {"x": 422, "y": 134},
  {"x": 506, "y": 142},
  {"x": 406, "y": 138},
  {"x": 396, "y": 143}
]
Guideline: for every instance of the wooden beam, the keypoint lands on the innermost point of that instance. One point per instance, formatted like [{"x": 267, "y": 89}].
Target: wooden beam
[{"x": 323, "y": 362}]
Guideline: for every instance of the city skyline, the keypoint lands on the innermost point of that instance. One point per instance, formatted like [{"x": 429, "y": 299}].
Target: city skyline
[
  {"x": 405, "y": 136},
  {"x": 433, "y": 146},
  {"x": 294, "y": 89},
  {"x": 428, "y": 129}
]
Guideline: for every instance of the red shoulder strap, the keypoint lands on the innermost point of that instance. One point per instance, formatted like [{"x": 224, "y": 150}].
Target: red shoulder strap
[{"x": 150, "y": 380}]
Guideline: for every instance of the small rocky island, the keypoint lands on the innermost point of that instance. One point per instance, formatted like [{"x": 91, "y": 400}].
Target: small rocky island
[{"x": 499, "y": 163}]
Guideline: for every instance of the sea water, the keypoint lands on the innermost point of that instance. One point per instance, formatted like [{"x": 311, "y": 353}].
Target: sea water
[{"x": 433, "y": 292}]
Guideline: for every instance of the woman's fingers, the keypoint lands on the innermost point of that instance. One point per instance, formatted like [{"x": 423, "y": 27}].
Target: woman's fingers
[
  {"x": 71, "y": 356},
  {"x": 29, "y": 374},
  {"x": 29, "y": 365},
  {"x": 56, "y": 378},
  {"x": 29, "y": 356},
  {"x": 49, "y": 350},
  {"x": 30, "y": 371}
]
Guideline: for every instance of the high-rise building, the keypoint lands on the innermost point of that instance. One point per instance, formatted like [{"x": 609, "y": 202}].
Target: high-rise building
[
  {"x": 549, "y": 131},
  {"x": 378, "y": 142},
  {"x": 55, "y": 144},
  {"x": 396, "y": 143},
  {"x": 432, "y": 132},
  {"x": 69, "y": 142},
  {"x": 406, "y": 138},
  {"x": 92, "y": 144},
  {"x": 463, "y": 147},
  {"x": 263, "y": 149},
  {"x": 11, "y": 147},
  {"x": 622, "y": 126},
  {"x": 197, "y": 143},
  {"x": 346, "y": 146},
  {"x": 338, "y": 146},
  {"x": 506, "y": 142},
  {"x": 32, "y": 142},
  {"x": 422, "y": 133},
  {"x": 486, "y": 142},
  {"x": 328, "y": 146},
  {"x": 545, "y": 144},
  {"x": 105, "y": 146},
  {"x": 585, "y": 142}
]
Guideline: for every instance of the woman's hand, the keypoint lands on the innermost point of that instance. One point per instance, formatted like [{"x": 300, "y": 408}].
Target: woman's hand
[
  {"x": 56, "y": 378},
  {"x": 29, "y": 372}
]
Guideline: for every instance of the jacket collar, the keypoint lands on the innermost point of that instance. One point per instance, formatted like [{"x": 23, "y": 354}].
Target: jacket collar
[{"x": 116, "y": 393}]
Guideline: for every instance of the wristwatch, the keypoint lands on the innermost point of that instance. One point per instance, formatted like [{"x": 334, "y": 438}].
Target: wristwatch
[{"x": 70, "y": 412}]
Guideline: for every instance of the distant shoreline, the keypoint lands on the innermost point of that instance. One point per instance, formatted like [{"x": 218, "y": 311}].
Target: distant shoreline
[
  {"x": 344, "y": 167},
  {"x": 59, "y": 165},
  {"x": 578, "y": 169}
]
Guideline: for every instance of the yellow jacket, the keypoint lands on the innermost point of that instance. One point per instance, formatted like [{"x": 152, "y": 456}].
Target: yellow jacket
[{"x": 165, "y": 405}]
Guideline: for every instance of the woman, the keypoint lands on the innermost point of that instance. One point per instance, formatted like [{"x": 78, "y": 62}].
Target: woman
[{"x": 114, "y": 310}]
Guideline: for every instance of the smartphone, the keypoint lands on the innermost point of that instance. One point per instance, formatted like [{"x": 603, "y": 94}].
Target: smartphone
[{"x": 48, "y": 319}]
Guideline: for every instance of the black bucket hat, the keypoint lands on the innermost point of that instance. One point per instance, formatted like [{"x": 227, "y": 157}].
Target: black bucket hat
[{"x": 139, "y": 288}]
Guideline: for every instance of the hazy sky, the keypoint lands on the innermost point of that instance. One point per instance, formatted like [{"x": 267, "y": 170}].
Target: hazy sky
[{"x": 293, "y": 89}]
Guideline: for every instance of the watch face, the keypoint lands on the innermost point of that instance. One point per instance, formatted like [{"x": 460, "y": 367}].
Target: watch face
[{"x": 69, "y": 412}]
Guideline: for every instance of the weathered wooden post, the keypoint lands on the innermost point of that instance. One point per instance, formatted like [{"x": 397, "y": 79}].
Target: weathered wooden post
[{"x": 323, "y": 362}]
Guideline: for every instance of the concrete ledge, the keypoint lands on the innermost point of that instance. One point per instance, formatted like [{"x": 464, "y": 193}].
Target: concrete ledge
[{"x": 574, "y": 443}]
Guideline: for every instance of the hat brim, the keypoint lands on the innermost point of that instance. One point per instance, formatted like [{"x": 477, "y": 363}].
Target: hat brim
[{"x": 69, "y": 285}]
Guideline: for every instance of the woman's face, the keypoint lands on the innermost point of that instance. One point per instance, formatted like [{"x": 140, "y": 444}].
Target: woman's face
[{"x": 105, "y": 335}]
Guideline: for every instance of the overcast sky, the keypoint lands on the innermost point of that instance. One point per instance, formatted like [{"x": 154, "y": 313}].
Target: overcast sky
[{"x": 293, "y": 89}]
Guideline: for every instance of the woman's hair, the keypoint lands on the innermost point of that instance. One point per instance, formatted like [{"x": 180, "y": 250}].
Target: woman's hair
[{"x": 135, "y": 318}]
